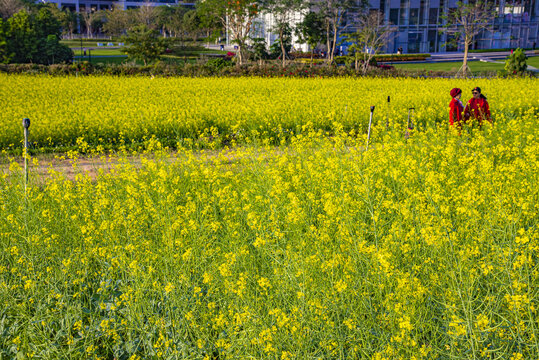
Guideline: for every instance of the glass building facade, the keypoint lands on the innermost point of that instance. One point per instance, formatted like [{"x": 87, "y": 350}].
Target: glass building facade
[
  {"x": 418, "y": 23},
  {"x": 94, "y": 5}
]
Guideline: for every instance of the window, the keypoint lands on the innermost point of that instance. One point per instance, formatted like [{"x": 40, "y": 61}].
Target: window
[
  {"x": 433, "y": 16},
  {"x": 451, "y": 44},
  {"x": 70, "y": 7},
  {"x": 414, "y": 41},
  {"x": 394, "y": 16},
  {"x": 403, "y": 19},
  {"x": 422, "y": 8},
  {"x": 414, "y": 16},
  {"x": 431, "y": 37}
]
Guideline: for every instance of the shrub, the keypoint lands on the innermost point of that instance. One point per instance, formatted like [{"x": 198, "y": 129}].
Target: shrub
[
  {"x": 217, "y": 64},
  {"x": 516, "y": 62}
]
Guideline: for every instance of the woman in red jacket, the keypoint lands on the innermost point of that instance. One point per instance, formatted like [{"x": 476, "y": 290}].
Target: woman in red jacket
[
  {"x": 477, "y": 107},
  {"x": 456, "y": 108}
]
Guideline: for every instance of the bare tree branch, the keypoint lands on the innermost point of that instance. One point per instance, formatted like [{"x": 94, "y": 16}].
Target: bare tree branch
[{"x": 467, "y": 21}]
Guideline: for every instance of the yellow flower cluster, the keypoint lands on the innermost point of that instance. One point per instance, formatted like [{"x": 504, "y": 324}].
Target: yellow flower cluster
[
  {"x": 422, "y": 247},
  {"x": 109, "y": 112}
]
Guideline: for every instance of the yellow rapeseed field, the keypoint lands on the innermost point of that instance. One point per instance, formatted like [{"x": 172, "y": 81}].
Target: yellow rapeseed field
[
  {"x": 115, "y": 112},
  {"x": 419, "y": 248}
]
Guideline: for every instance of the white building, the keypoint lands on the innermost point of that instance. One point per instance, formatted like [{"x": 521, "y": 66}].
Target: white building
[{"x": 263, "y": 27}]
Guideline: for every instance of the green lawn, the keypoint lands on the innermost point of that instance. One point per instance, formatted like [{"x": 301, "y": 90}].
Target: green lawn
[
  {"x": 87, "y": 43},
  {"x": 99, "y": 52},
  {"x": 454, "y": 66},
  {"x": 534, "y": 61},
  {"x": 451, "y": 66}
]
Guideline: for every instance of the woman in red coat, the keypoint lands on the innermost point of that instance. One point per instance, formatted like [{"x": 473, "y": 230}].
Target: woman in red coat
[
  {"x": 477, "y": 107},
  {"x": 456, "y": 108}
]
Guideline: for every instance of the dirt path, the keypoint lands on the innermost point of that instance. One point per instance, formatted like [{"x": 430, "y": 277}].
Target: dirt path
[
  {"x": 68, "y": 167},
  {"x": 47, "y": 164}
]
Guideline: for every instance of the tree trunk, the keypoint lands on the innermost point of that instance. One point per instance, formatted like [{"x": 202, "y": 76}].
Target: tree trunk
[
  {"x": 328, "y": 35},
  {"x": 283, "y": 51},
  {"x": 465, "y": 60},
  {"x": 239, "y": 55},
  {"x": 334, "y": 40},
  {"x": 365, "y": 63}
]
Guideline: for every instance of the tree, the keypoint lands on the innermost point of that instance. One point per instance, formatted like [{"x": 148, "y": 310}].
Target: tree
[
  {"x": 163, "y": 19},
  {"x": 8, "y": 8},
  {"x": 259, "y": 50},
  {"x": 176, "y": 22},
  {"x": 116, "y": 21},
  {"x": 90, "y": 19},
  {"x": 236, "y": 16},
  {"x": 53, "y": 52},
  {"x": 4, "y": 55},
  {"x": 66, "y": 18},
  {"x": 21, "y": 38},
  {"x": 146, "y": 15},
  {"x": 191, "y": 24},
  {"x": 310, "y": 31},
  {"x": 467, "y": 21},
  {"x": 34, "y": 38},
  {"x": 372, "y": 35},
  {"x": 334, "y": 13},
  {"x": 282, "y": 12},
  {"x": 46, "y": 23},
  {"x": 143, "y": 44},
  {"x": 283, "y": 44},
  {"x": 209, "y": 24}
]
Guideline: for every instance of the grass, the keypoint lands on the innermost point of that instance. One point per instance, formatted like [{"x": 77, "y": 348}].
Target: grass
[
  {"x": 99, "y": 52},
  {"x": 87, "y": 42},
  {"x": 451, "y": 66},
  {"x": 454, "y": 66},
  {"x": 533, "y": 61}
]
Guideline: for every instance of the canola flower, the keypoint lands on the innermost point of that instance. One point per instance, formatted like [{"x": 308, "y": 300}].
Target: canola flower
[
  {"x": 115, "y": 112},
  {"x": 424, "y": 248},
  {"x": 417, "y": 249}
]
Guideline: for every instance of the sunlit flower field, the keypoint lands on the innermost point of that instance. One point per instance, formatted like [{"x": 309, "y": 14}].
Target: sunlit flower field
[
  {"x": 423, "y": 247},
  {"x": 116, "y": 112}
]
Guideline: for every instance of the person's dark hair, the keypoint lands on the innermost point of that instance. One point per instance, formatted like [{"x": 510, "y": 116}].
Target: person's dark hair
[{"x": 478, "y": 89}]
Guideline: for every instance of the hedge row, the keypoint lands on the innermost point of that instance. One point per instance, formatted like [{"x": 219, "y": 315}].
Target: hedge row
[
  {"x": 401, "y": 57},
  {"x": 378, "y": 58},
  {"x": 213, "y": 68}
]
